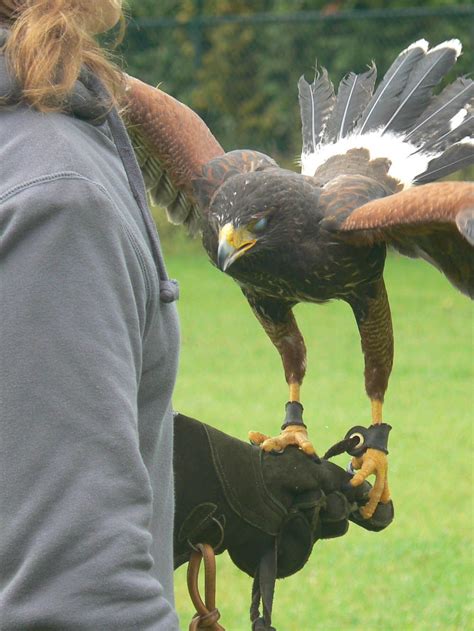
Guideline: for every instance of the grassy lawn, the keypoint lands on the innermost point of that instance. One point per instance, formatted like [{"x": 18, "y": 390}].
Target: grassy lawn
[{"x": 418, "y": 573}]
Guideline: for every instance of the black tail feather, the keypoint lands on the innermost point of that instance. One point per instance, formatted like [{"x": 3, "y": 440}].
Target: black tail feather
[
  {"x": 465, "y": 129},
  {"x": 425, "y": 75},
  {"x": 353, "y": 95},
  {"x": 386, "y": 98},
  {"x": 433, "y": 130},
  {"x": 457, "y": 156},
  {"x": 434, "y": 123},
  {"x": 316, "y": 103}
]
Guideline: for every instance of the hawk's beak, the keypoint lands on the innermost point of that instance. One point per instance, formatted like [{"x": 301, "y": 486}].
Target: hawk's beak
[{"x": 233, "y": 242}]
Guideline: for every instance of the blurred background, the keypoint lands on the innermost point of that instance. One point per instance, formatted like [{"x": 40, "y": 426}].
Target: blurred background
[{"x": 237, "y": 63}]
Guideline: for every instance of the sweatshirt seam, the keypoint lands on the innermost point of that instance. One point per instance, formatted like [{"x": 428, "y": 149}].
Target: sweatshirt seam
[
  {"x": 73, "y": 175},
  {"x": 19, "y": 188}
]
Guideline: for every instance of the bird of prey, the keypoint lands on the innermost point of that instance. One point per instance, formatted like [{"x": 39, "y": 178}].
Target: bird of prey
[{"x": 369, "y": 158}]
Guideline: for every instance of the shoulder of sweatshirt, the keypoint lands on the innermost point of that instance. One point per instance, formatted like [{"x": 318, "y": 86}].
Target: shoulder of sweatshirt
[
  {"x": 72, "y": 217},
  {"x": 36, "y": 145},
  {"x": 42, "y": 153}
]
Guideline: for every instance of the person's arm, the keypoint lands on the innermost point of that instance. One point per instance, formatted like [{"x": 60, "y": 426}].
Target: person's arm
[{"x": 75, "y": 496}]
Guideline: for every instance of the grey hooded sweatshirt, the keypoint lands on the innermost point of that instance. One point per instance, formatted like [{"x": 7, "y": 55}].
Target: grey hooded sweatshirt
[{"x": 88, "y": 358}]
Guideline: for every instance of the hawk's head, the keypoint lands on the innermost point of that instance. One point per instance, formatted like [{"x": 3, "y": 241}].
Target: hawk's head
[{"x": 259, "y": 214}]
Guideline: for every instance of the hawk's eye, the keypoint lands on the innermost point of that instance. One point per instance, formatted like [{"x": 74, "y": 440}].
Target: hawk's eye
[{"x": 259, "y": 225}]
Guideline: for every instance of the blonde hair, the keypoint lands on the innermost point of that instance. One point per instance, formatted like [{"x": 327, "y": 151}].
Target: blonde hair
[{"x": 48, "y": 44}]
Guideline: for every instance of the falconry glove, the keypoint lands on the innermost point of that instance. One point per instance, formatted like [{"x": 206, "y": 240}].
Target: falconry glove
[{"x": 266, "y": 510}]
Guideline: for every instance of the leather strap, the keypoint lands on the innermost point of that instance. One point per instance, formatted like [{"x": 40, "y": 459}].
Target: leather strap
[
  {"x": 263, "y": 590},
  {"x": 207, "y": 614},
  {"x": 293, "y": 414}
]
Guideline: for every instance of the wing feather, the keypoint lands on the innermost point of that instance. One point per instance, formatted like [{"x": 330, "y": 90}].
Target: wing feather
[
  {"x": 433, "y": 221},
  {"x": 172, "y": 144}
]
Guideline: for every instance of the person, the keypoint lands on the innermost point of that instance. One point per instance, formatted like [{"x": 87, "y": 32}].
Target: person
[{"x": 89, "y": 339}]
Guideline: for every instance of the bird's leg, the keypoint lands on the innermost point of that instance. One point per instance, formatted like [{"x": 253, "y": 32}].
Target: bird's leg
[
  {"x": 279, "y": 323},
  {"x": 375, "y": 326},
  {"x": 377, "y": 407},
  {"x": 294, "y": 392}
]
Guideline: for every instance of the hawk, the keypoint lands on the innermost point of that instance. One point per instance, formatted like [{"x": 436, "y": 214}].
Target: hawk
[{"x": 368, "y": 164}]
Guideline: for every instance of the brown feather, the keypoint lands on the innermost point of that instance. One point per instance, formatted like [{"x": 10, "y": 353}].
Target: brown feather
[
  {"x": 433, "y": 221},
  {"x": 439, "y": 203},
  {"x": 172, "y": 144}
]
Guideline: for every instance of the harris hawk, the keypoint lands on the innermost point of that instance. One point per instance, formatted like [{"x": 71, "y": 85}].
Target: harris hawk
[{"x": 369, "y": 159}]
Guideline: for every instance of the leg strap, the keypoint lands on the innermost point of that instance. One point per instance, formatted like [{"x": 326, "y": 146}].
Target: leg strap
[{"x": 294, "y": 414}]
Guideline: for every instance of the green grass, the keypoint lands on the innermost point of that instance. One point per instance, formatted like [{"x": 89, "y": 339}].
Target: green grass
[{"x": 418, "y": 573}]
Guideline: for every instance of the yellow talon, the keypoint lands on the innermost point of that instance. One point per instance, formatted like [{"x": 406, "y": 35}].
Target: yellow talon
[
  {"x": 291, "y": 435},
  {"x": 373, "y": 461}
]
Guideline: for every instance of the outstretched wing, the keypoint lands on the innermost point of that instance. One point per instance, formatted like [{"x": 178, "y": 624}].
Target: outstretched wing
[
  {"x": 172, "y": 144},
  {"x": 433, "y": 221}
]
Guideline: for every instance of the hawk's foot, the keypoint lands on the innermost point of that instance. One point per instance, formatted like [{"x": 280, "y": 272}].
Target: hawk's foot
[
  {"x": 294, "y": 432},
  {"x": 368, "y": 448},
  {"x": 372, "y": 461},
  {"x": 291, "y": 435}
]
